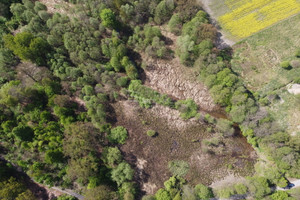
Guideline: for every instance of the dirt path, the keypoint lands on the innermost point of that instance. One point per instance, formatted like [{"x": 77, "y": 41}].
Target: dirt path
[{"x": 222, "y": 41}]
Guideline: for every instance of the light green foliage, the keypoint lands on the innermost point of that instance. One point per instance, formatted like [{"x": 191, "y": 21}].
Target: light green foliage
[
  {"x": 151, "y": 133},
  {"x": 108, "y": 18},
  {"x": 258, "y": 186},
  {"x": 203, "y": 192},
  {"x": 280, "y": 195},
  {"x": 148, "y": 197},
  {"x": 122, "y": 173},
  {"x": 162, "y": 194},
  {"x": 188, "y": 108},
  {"x": 111, "y": 156},
  {"x": 146, "y": 96},
  {"x": 118, "y": 135},
  {"x": 66, "y": 197},
  {"x": 225, "y": 193},
  {"x": 240, "y": 188},
  {"x": 285, "y": 64},
  {"x": 178, "y": 167}
]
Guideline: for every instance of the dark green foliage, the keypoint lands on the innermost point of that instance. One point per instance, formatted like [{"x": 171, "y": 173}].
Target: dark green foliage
[
  {"x": 23, "y": 133},
  {"x": 163, "y": 11},
  {"x": 12, "y": 189},
  {"x": 28, "y": 47},
  {"x": 54, "y": 156},
  {"x": 188, "y": 108},
  {"x": 118, "y": 135}
]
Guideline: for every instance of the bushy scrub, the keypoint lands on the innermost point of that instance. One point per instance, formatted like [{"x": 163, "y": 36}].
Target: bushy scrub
[
  {"x": 188, "y": 108},
  {"x": 118, "y": 135}
]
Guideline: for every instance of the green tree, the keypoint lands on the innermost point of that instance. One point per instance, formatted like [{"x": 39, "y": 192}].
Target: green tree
[
  {"x": 162, "y": 194},
  {"x": 28, "y": 47},
  {"x": 203, "y": 192},
  {"x": 23, "y": 133},
  {"x": 118, "y": 135},
  {"x": 111, "y": 156},
  {"x": 123, "y": 172},
  {"x": 258, "y": 186},
  {"x": 108, "y": 18},
  {"x": 280, "y": 195}
]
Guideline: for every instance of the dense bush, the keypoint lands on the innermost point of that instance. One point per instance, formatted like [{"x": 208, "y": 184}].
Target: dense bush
[
  {"x": 188, "y": 108},
  {"x": 118, "y": 135}
]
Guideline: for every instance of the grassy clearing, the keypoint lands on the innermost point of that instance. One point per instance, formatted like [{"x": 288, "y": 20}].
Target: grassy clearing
[{"x": 257, "y": 59}]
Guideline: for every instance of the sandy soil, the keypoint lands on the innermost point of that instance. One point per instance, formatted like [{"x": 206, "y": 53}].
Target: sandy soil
[{"x": 294, "y": 88}]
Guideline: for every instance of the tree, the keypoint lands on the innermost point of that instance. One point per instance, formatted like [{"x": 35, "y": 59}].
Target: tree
[
  {"x": 175, "y": 24},
  {"x": 123, "y": 172},
  {"x": 258, "y": 186},
  {"x": 14, "y": 190},
  {"x": 80, "y": 140},
  {"x": 101, "y": 192},
  {"x": 162, "y": 194},
  {"x": 54, "y": 156},
  {"x": 108, "y": 18},
  {"x": 203, "y": 192},
  {"x": 240, "y": 188},
  {"x": 23, "y": 133},
  {"x": 66, "y": 197},
  {"x": 225, "y": 126},
  {"x": 118, "y": 135},
  {"x": 28, "y": 47},
  {"x": 280, "y": 195},
  {"x": 188, "y": 108},
  {"x": 111, "y": 156},
  {"x": 163, "y": 11}
]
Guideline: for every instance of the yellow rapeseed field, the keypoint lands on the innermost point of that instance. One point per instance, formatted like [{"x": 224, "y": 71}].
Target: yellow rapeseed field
[{"x": 250, "y": 16}]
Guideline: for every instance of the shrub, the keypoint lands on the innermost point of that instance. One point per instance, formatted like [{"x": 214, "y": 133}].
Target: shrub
[
  {"x": 118, "y": 135},
  {"x": 151, "y": 133},
  {"x": 178, "y": 167},
  {"x": 108, "y": 18},
  {"x": 240, "y": 188},
  {"x": 225, "y": 126},
  {"x": 225, "y": 193},
  {"x": 175, "y": 24},
  {"x": 122, "y": 81},
  {"x": 188, "y": 108},
  {"x": 203, "y": 192},
  {"x": 162, "y": 194},
  {"x": 122, "y": 173},
  {"x": 297, "y": 53},
  {"x": 285, "y": 64}
]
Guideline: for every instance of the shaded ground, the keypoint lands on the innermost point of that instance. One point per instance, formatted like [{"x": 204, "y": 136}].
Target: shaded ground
[{"x": 176, "y": 141}]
